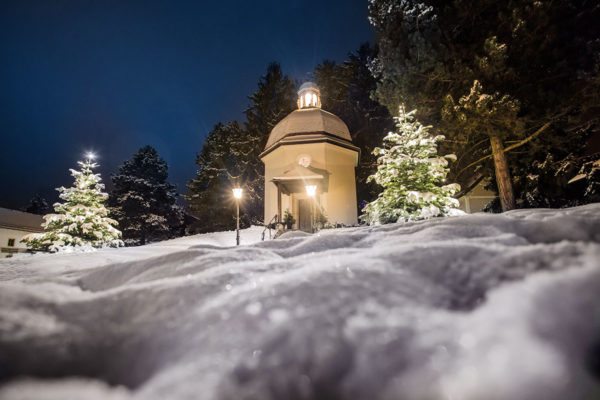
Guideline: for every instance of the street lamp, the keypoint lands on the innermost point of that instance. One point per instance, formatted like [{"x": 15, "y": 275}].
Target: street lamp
[
  {"x": 311, "y": 191},
  {"x": 237, "y": 194}
]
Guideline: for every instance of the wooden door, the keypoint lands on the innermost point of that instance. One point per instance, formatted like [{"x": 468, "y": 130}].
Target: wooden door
[{"x": 304, "y": 215}]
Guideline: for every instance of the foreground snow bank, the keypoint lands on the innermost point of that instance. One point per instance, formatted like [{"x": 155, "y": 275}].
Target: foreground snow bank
[{"x": 477, "y": 307}]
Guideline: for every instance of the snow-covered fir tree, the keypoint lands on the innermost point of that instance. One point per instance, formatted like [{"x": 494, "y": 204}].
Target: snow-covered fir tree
[
  {"x": 143, "y": 201},
  {"x": 412, "y": 175},
  {"x": 82, "y": 221}
]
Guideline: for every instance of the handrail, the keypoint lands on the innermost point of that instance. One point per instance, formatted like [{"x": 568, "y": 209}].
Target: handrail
[{"x": 268, "y": 226}]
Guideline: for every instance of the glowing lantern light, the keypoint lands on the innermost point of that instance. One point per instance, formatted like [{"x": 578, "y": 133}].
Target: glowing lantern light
[
  {"x": 309, "y": 96},
  {"x": 311, "y": 190},
  {"x": 237, "y": 193}
]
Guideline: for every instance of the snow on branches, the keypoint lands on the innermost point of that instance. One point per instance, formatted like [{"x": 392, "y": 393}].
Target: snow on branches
[
  {"x": 81, "y": 222},
  {"x": 412, "y": 175}
]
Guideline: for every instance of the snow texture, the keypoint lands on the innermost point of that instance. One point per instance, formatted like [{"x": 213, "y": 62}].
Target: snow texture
[{"x": 474, "y": 307}]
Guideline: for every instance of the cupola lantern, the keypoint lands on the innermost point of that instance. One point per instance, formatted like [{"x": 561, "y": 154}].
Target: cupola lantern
[{"x": 309, "y": 96}]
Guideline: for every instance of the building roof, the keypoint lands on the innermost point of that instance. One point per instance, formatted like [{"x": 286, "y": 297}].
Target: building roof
[
  {"x": 306, "y": 138},
  {"x": 296, "y": 178},
  {"x": 298, "y": 172},
  {"x": 19, "y": 220},
  {"x": 307, "y": 85},
  {"x": 309, "y": 120}
]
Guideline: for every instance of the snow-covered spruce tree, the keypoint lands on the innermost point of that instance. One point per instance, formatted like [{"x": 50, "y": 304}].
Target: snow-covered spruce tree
[
  {"x": 412, "y": 175},
  {"x": 143, "y": 201},
  {"x": 82, "y": 220}
]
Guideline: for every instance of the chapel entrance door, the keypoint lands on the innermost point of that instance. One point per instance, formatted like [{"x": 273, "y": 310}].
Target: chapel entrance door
[{"x": 304, "y": 215}]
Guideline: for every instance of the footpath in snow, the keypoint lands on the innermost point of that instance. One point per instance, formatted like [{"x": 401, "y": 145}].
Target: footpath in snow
[{"x": 477, "y": 307}]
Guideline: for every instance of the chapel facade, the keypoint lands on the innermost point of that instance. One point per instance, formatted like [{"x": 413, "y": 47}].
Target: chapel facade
[{"x": 310, "y": 166}]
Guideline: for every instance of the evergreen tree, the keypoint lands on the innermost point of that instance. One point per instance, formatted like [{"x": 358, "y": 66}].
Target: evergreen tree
[
  {"x": 412, "y": 175},
  {"x": 570, "y": 182},
  {"x": 82, "y": 220},
  {"x": 543, "y": 56},
  {"x": 490, "y": 116},
  {"x": 274, "y": 99},
  {"x": 37, "y": 205},
  {"x": 219, "y": 169},
  {"x": 230, "y": 157},
  {"x": 142, "y": 200},
  {"x": 347, "y": 91}
]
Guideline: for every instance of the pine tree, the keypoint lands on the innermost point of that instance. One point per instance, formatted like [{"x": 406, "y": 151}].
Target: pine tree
[
  {"x": 412, "y": 175},
  {"x": 543, "y": 56},
  {"x": 82, "y": 220},
  {"x": 219, "y": 167},
  {"x": 230, "y": 157},
  {"x": 570, "y": 182},
  {"x": 142, "y": 200},
  {"x": 273, "y": 100},
  {"x": 491, "y": 116},
  {"x": 37, "y": 205},
  {"x": 346, "y": 91}
]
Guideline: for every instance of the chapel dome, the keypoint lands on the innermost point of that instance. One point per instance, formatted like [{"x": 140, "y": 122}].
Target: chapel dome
[
  {"x": 309, "y": 119},
  {"x": 308, "y": 85}
]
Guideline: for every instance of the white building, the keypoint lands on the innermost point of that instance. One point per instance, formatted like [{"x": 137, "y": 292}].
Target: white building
[
  {"x": 476, "y": 199},
  {"x": 13, "y": 226},
  {"x": 309, "y": 165}
]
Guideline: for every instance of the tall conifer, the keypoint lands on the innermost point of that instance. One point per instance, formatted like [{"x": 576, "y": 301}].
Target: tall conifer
[
  {"x": 142, "y": 201},
  {"x": 274, "y": 99}
]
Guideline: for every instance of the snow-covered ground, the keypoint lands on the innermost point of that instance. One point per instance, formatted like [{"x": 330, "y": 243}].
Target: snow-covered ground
[{"x": 476, "y": 307}]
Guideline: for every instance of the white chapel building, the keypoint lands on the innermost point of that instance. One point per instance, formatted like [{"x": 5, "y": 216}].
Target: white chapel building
[{"x": 310, "y": 165}]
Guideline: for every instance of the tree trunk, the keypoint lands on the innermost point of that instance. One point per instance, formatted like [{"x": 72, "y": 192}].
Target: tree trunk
[{"x": 505, "y": 189}]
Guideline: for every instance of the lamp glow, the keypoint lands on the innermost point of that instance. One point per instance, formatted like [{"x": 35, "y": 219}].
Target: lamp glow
[
  {"x": 90, "y": 155},
  {"x": 309, "y": 96},
  {"x": 237, "y": 193},
  {"x": 311, "y": 190}
]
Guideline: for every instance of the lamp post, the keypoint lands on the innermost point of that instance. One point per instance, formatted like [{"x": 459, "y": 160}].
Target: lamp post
[
  {"x": 237, "y": 194},
  {"x": 311, "y": 191}
]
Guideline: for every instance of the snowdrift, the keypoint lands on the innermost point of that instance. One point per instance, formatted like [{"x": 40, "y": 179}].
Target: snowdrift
[{"x": 476, "y": 307}]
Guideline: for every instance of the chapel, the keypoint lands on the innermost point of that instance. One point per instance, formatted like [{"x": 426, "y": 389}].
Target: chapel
[{"x": 310, "y": 166}]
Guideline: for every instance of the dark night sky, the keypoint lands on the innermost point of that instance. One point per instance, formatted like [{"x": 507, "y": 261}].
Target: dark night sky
[{"x": 112, "y": 76}]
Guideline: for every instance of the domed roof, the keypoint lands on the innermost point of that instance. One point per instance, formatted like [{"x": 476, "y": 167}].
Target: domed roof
[
  {"x": 309, "y": 120},
  {"x": 307, "y": 85}
]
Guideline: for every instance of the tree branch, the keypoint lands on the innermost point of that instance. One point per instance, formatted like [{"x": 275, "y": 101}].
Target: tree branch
[
  {"x": 469, "y": 186},
  {"x": 509, "y": 148},
  {"x": 529, "y": 138}
]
